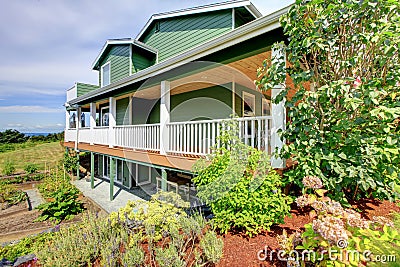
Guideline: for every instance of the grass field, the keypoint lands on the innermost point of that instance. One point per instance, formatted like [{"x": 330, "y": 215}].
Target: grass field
[{"x": 42, "y": 154}]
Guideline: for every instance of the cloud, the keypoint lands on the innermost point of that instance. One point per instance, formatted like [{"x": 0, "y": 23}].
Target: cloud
[{"x": 29, "y": 109}]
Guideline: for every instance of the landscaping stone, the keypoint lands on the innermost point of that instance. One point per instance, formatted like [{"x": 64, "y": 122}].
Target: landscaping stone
[{"x": 24, "y": 259}]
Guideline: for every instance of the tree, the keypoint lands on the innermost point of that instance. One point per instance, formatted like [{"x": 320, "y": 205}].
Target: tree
[
  {"x": 343, "y": 59},
  {"x": 11, "y": 137}
]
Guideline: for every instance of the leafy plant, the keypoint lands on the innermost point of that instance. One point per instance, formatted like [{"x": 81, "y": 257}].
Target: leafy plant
[
  {"x": 10, "y": 194},
  {"x": 31, "y": 168},
  {"x": 8, "y": 167},
  {"x": 343, "y": 100},
  {"x": 240, "y": 186},
  {"x": 63, "y": 206}
]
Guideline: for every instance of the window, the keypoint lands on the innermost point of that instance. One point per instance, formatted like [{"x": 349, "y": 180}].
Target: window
[
  {"x": 105, "y": 116},
  {"x": 105, "y": 74},
  {"x": 249, "y": 103},
  {"x": 106, "y": 167},
  {"x": 266, "y": 107}
]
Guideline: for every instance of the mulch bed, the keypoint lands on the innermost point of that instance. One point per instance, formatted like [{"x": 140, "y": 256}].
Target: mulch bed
[{"x": 241, "y": 251}]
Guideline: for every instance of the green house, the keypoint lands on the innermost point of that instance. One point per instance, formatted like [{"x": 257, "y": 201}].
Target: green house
[{"x": 163, "y": 96}]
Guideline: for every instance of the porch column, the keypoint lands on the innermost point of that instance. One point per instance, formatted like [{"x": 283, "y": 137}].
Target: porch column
[
  {"x": 91, "y": 169},
  {"x": 278, "y": 115},
  {"x": 112, "y": 121},
  {"x": 164, "y": 116},
  {"x": 164, "y": 179},
  {"x": 67, "y": 118},
  {"x": 92, "y": 119},
  {"x": 77, "y": 126},
  {"x": 112, "y": 177},
  {"x": 77, "y": 165}
]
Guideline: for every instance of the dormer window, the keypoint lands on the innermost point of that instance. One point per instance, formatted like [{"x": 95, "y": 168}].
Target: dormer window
[{"x": 105, "y": 74}]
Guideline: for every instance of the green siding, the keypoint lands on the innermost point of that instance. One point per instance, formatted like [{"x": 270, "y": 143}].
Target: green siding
[
  {"x": 83, "y": 88},
  {"x": 182, "y": 33},
  {"x": 118, "y": 56},
  {"x": 122, "y": 111},
  {"x": 209, "y": 103},
  {"x": 140, "y": 61}
]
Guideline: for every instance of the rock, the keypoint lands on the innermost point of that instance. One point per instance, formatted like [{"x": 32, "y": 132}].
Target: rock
[
  {"x": 24, "y": 259},
  {"x": 5, "y": 263}
]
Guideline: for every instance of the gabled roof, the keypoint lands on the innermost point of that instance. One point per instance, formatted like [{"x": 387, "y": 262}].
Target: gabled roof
[
  {"x": 201, "y": 9},
  {"x": 245, "y": 32},
  {"x": 124, "y": 41}
]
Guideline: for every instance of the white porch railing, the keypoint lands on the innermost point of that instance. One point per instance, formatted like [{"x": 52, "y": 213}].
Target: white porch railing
[
  {"x": 198, "y": 137},
  {"x": 145, "y": 136},
  {"x": 189, "y": 137},
  {"x": 70, "y": 135}
]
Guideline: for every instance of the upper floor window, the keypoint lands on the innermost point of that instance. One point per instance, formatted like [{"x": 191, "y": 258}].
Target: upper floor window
[
  {"x": 249, "y": 104},
  {"x": 266, "y": 107},
  {"x": 105, "y": 74}
]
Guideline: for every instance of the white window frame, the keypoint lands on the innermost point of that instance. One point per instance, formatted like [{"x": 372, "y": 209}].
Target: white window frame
[
  {"x": 253, "y": 102},
  {"x": 102, "y": 73},
  {"x": 265, "y": 102},
  {"x": 105, "y": 174}
]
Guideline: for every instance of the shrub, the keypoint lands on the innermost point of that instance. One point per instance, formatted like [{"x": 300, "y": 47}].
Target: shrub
[
  {"x": 240, "y": 186},
  {"x": 131, "y": 240},
  {"x": 31, "y": 168},
  {"x": 8, "y": 167},
  {"x": 344, "y": 130},
  {"x": 70, "y": 162}
]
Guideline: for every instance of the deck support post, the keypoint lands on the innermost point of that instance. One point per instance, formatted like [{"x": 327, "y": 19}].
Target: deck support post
[
  {"x": 164, "y": 179},
  {"x": 92, "y": 119},
  {"x": 278, "y": 115},
  {"x": 112, "y": 178},
  {"x": 112, "y": 120},
  {"x": 92, "y": 170},
  {"x": 164, "y": 116}
]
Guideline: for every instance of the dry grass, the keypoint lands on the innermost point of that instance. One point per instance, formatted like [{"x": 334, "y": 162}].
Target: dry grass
[{"x": 46, "y": 154}]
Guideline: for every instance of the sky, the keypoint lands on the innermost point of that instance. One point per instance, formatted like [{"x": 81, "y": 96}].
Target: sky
[{"x": 48, "y": 45}]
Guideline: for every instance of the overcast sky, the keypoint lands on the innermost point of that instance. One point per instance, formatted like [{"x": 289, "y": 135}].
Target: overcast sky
[{"x": 48, "y": 45}]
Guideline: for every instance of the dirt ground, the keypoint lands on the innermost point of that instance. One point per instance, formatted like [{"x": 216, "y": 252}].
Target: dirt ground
[{"x": 17, "y": 221}]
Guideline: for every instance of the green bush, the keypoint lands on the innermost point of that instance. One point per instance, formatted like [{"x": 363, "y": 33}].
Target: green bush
[
  {"x": 240, "y": 186},
  {"x": 343, "y": 60},
  {"x": 70, "y": 162},
  {"x": 31, "y": 168},
  {"x": 131, "y": 237},
  {"x": 8, "y": 167}
]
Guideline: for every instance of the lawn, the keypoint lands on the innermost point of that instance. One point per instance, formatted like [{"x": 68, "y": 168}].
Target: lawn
[{"x": 42, "y": 154}]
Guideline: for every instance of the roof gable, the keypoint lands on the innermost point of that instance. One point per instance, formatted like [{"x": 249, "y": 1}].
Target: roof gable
[{"x": 200, "y": 9}]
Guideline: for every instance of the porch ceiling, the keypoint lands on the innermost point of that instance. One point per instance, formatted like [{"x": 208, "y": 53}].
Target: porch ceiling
[{"x": 243, "y": 72}]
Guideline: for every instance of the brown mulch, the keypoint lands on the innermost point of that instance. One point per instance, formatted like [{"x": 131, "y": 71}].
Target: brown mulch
[{"x": 241, "y": 251}]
